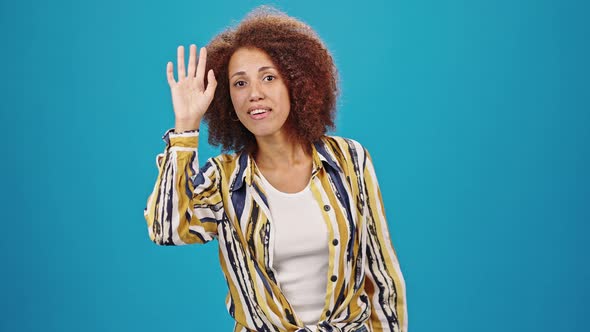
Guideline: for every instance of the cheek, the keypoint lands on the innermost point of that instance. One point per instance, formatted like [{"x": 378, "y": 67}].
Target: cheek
[
  {"x": 286, "y": 101},
  {"x": 235, "y": 99}
]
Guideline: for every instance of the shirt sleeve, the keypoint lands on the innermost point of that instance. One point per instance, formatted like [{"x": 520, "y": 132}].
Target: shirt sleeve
[
  {"x": 185, "y": 203},
  {"x": 384, "y": 282}
]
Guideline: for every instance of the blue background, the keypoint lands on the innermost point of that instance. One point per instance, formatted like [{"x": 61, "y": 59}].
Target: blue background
[{"x": 476, "y": 114}]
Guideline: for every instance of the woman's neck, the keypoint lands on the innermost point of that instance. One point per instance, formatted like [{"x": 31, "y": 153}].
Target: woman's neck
[{"x": 280, "y": 152}]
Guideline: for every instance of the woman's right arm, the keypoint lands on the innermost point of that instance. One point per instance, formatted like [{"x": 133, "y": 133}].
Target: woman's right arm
[{"x": 185, "y": 203}]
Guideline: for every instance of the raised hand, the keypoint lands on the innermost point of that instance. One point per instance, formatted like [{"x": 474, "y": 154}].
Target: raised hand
[{"x": 190, "y": 97}]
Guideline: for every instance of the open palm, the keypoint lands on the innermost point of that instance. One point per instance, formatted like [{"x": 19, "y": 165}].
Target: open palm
[{"x": 190, "y": 97}]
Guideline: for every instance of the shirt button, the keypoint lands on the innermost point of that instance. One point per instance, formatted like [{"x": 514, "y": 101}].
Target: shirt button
[
  {"x": 334, "y": 278},
  {"x": 335, "y": 242},
  {"x": 326, "y": 207}
]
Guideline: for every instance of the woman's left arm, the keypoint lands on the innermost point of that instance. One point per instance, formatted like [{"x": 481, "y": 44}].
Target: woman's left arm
[{"x": 384, "y": 282}]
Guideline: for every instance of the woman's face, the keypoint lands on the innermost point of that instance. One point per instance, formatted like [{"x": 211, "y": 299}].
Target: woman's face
[{"x": 258, "y": 93}]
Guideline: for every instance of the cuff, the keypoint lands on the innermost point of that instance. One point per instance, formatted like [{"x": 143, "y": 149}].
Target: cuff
[{"x": 187, "y": 139}]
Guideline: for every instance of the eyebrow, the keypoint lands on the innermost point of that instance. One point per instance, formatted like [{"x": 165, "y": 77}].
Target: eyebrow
[{"x": 259, "y": 70}]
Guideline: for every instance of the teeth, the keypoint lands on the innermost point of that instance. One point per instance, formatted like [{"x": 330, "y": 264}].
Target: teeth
[{"x": 258, "y": 111}]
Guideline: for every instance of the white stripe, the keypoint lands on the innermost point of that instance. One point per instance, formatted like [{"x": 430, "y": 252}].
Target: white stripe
[
  {"x": 182, "y": 148},
  {"x": 176, "y": 215},
  {"x": 245, "y": 213},
  {"x": 234, "y": 280},
  {"x": 159, "y": 159},
  {"x": 388, "y": 245},
  {"x": 161, "y": 213},
  {"x": 261, "y": 290},
  {"x": 201, "y": 230}
]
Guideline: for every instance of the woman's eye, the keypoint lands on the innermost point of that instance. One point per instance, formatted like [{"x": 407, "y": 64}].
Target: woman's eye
[
  {"x": 239, "y": 83},
  {"x": 269, "y": 78}
]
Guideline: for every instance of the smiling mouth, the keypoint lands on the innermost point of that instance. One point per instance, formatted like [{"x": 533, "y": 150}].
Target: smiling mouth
[{"x": 259, "y": 113}]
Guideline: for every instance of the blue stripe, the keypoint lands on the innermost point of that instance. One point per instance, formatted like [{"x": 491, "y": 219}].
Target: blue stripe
[
  {"x": 260, "y": 193},
  {"x": 187, "y": 189},
  {"x": 238, "y": 199},
  {"x": 321, "y": 149},
  {"x": 200, "y": 179},
  {"x": 239, "y": 179}
]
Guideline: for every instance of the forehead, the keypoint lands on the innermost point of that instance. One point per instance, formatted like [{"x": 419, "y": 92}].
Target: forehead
[{"x": 248, "y": 59}]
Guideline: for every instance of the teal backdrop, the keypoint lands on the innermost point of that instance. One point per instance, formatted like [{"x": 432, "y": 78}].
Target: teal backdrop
[{"x": 476, "y": 114}]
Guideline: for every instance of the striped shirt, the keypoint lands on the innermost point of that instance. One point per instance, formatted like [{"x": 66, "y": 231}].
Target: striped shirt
[{"x": 225, "y": 200}]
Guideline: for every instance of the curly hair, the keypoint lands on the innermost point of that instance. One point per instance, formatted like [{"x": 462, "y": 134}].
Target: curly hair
[{"x": 304, "y": 63}]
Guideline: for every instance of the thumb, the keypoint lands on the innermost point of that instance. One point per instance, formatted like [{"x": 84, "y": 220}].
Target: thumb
[{"x": 211, "y": 85}]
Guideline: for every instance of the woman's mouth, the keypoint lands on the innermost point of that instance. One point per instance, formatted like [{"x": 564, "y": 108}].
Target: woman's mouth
[{"x": 259, "y": 113}]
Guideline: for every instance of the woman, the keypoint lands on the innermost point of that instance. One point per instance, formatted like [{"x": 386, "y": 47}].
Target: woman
[{"x": 298, "y": 215}]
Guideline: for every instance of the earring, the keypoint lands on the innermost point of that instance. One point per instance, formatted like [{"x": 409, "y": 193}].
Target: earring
[{"x": 230, "y": 116}]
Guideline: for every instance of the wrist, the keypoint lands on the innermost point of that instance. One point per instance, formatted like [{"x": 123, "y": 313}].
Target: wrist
[{"x": 180, "y": 127}]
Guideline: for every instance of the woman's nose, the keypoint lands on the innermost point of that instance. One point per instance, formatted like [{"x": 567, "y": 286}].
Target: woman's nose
[{"x": 255, "y": 91}]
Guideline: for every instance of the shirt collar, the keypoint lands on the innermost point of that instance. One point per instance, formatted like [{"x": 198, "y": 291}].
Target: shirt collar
[
  {"x": 322, "y": 153},
  {"x": 247, "y": 167}
]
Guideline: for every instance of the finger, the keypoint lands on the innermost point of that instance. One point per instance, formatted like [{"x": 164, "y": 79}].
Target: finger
[
  {"x": 170, "y": 73},
  {"x": 192, "y": 61},
  {"x": 201, "y": 68},
  {"x": 180, "y": 60},
  {"x": 211, "y": 85}
]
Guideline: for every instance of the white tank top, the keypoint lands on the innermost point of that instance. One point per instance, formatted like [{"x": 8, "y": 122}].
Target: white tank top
[{"x": 300, "y": 251}]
